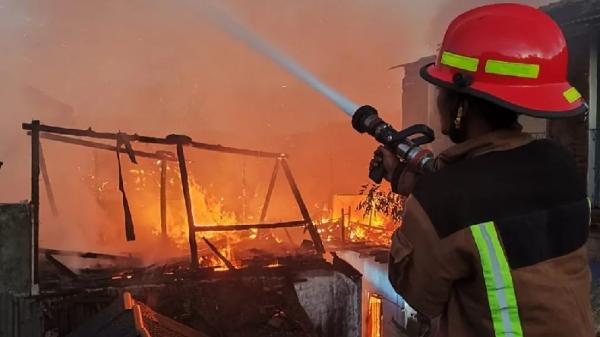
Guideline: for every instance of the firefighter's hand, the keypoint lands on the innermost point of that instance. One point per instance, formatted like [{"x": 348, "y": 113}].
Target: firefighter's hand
[{"x": 388, "y": 159}]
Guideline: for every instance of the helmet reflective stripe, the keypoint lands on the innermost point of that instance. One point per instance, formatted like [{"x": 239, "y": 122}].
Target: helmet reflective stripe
[
  {"x": 459, "y": 61},
  {"x": 512, "y": 69},
  {"x": 491, "y": 66},
  {"x": 572, "y": 95}
]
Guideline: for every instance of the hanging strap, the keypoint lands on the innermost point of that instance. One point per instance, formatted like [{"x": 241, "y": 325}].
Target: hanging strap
[{"x": 123, "y": 139}]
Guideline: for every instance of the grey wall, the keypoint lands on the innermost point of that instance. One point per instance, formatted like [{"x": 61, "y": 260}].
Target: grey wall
[
  {"x": 19, "y": 315},
  {"x": 15, "y": 248},
  {"x": 332, "y": 302}
]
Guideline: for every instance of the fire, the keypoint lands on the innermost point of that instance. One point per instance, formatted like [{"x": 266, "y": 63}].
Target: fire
[
  {"x": 357, "y": 233},
  {"x": 211, "y": 207},
  {"x": 373, "y": 228},
  {"x": 207, "y": 208}
]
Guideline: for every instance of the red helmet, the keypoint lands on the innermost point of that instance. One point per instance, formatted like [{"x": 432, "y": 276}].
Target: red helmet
[{"x": 510, "y": 54}]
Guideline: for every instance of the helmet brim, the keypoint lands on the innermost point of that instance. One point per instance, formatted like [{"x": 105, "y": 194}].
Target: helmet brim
[{"x": 542, "y": 101}]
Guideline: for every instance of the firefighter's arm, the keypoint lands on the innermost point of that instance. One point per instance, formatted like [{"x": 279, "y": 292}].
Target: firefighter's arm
[{"x": 422, "y": 266}]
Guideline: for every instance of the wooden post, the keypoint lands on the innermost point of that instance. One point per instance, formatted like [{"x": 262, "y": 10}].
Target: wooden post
[
  {"x": 349, "y": 215},
  {"x": 263, "y": 212},
  {"x": 163, "y": 199},
  {"x": 265, "y": 207},
  {"x": 343, "y": 226},
  {"x": 314, "y": 234},
  {"x": 35, "y": 194},
  {"x": 188, "y": 206}
]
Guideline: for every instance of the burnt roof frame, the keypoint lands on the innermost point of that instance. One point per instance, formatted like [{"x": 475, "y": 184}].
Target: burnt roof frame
[{"x": 71, "y": 136}]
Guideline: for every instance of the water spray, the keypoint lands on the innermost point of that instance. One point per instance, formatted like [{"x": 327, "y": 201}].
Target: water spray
[
  {"x": 365, "y": 119},
  {"x": 243, "y": 34}
]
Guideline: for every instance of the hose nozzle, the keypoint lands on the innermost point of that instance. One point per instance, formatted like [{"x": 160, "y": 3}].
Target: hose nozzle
[{"x": 404, "y": 143}]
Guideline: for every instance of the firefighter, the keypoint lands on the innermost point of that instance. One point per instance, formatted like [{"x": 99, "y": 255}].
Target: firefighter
[{"x": 492, "y": 243}]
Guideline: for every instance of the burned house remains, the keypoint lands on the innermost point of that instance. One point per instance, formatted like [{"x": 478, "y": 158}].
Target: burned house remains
[{"x": 296, "y": 291}]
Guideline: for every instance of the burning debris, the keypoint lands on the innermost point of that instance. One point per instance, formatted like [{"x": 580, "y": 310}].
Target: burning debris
[
  {"x": 368, "y": 217},
  {"x": 269, "y": 297},
  {"x": 244, "y": 279},
  {"x": 200, "y": 207}
]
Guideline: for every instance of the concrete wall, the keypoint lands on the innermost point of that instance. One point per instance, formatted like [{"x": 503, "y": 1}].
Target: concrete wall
[
  {"x": 20, "y": 316},
  {"x": 332, "y": 302},
  {"x": 15, "y": 249}
]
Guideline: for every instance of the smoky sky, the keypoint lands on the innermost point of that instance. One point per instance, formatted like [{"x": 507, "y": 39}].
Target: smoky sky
[{"x": 158, "y": 67}]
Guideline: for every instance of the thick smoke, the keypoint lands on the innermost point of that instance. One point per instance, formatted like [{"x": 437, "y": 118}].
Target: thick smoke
[{"x": 158, "y": 67}]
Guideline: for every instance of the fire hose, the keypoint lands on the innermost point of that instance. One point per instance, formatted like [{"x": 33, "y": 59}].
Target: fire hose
[{"x": 406, "y": 144}]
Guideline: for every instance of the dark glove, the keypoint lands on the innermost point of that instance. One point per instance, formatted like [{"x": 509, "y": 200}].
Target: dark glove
[
  {"x": 385, "y": 164},
  {"x": 376, "y": 168}
]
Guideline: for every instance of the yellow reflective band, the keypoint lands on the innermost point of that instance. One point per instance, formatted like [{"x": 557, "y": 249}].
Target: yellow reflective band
[
  {"x": 459, "y": 61},
  {"x": 499, "y": 284},
  {"x": 512, "y": 69},
  {"x": 572, "y": 95}
]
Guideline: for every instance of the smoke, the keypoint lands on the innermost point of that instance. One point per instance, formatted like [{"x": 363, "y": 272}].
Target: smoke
[{"x": 159, "y": 67}]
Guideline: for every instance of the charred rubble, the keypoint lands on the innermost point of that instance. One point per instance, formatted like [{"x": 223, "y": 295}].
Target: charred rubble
[{"x": 299, "y": 292}]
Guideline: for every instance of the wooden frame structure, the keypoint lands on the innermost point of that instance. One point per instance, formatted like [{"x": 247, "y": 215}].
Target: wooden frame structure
[{"x": 39, "y": 131}]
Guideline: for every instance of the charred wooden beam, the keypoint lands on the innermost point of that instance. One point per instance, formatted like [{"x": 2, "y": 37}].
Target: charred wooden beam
[
  {"x": 265, "y": 208},
  {"x": 188, "y": 206},
  {"x": 153, "y": 140},
  {"x": 160, "y": 155},
  {"x": 221, "y": 257},
  {"x": 94, "y": 134},
  {"x": 85, "y": 255},
  {"x": 123, "y": 142},
  {"x": 232, "y": 150},
  {"x": 47, "y": 183},
  {"x": 314, "y": 234},
  {"x": 263, "y": 213},
  {"x": 244, "y": 227}
]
